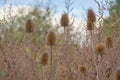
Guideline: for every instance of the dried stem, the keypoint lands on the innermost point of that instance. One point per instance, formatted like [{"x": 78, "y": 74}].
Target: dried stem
[{"x": 51, "y": 54}]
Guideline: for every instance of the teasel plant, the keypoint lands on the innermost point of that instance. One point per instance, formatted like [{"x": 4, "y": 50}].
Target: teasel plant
[
  {"x": 29, "y": 29},
  {"x": 91, "y": 18},
  {"x": 44, "y": 62},
  {"x": 51, "y": 39},
  {"x": 109, "y": 46},
  {"x": 83, "y": 71},
  {"x": 65, "y": 17},
  {"x": 29, "y": 26},
  {"x": 64, "y": 21},
  {"x": 100, "y": 51},
  {"x": 108, "y": 73}
]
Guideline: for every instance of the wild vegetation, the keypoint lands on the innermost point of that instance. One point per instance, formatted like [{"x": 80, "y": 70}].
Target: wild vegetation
[{"x": 31, "y": 48}]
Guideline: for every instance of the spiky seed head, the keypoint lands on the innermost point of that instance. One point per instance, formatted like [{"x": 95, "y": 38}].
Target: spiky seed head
[
  {"x": 117, "y": 74},
  {"x": 29, "y": 26},
  {"x": 82, "y": 68},
  {"x": 44, "y": 59},
  {"x": 51, "y": 38},
  {"x": 91, "y": 18},
  {"x": 108, "y": 72},
  {"x": 64, "y": 21},
  {"x": 100, "y": 49},
  {"x": 109, "y": 42}
]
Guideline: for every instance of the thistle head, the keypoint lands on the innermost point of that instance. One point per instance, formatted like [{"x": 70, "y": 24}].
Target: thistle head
[
  {"x": 117, "y": 74},
  {"x": 91, "y": 18},
  {"x": 82, "y": 68},
  {"x": 100, "y": 49},
  {"x": 108, "y": 72},
  {"x": 109, "y": 42},
  {"x": 51, "y": 38},
  {"x": 64, "y": 21},
  {"x": 29, "y": 26},
  {"x": 44, "y": 59}
]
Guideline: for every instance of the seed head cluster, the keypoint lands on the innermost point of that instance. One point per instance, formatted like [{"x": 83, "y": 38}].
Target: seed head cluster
[
  {"x": 100, "y": 48},
  {"x": 64, "y": 21},
  {"x": 109, "y": 42},
  {"x": 82, "y": 68},
  {"x": 108, "y": 72},
  {"x": 29, "y": 26},
  {"x": 91, "y": 18},
  {"x": 44, "y": 59},
  {"x": 51, "y": 38}
]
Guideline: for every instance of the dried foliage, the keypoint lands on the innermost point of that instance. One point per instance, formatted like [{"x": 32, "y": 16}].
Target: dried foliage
[{"x": 24, "y": 59}]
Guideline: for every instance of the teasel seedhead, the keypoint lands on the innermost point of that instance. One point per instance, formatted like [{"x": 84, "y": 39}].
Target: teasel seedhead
[
  {"x": 91, "y": 18},
  {"x": 117, "y": 74},
  {"x": 44, "y": 59},
  {"x": 64, "y": 21},
  {"x": 82, "y": 68},
  {"x": 100, "y": 49},
  {"x": 108, "y": 72},
  {"x": 109, "y": 42},
  {"x": 29, "y": 26},
  {"x": 51, "y": 38}
]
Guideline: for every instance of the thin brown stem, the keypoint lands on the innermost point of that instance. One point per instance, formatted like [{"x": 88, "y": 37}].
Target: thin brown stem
[
  {"x": 92, "y": 46},
  {"x": 51, "y": 55}
]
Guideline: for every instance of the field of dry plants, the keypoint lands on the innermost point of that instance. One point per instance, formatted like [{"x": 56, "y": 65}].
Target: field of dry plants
[{"x": 26, "y": 54}]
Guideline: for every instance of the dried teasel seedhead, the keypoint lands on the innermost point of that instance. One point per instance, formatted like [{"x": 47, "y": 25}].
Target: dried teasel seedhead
[
  {"x": 82, "y": 68},
  {"x": 29, "y": 26},
  {"x": 91, "y": 18},
  {"x": 117, "y": 74},
  {"x": 108, "y": 72},
  {"x": 109, "y": 42},
  {"x": 51, "y": 38},
  {"x": 44, "y": 59},
  {"x": 64, "y": 21},
  {"x": 100, "y": 49}
]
